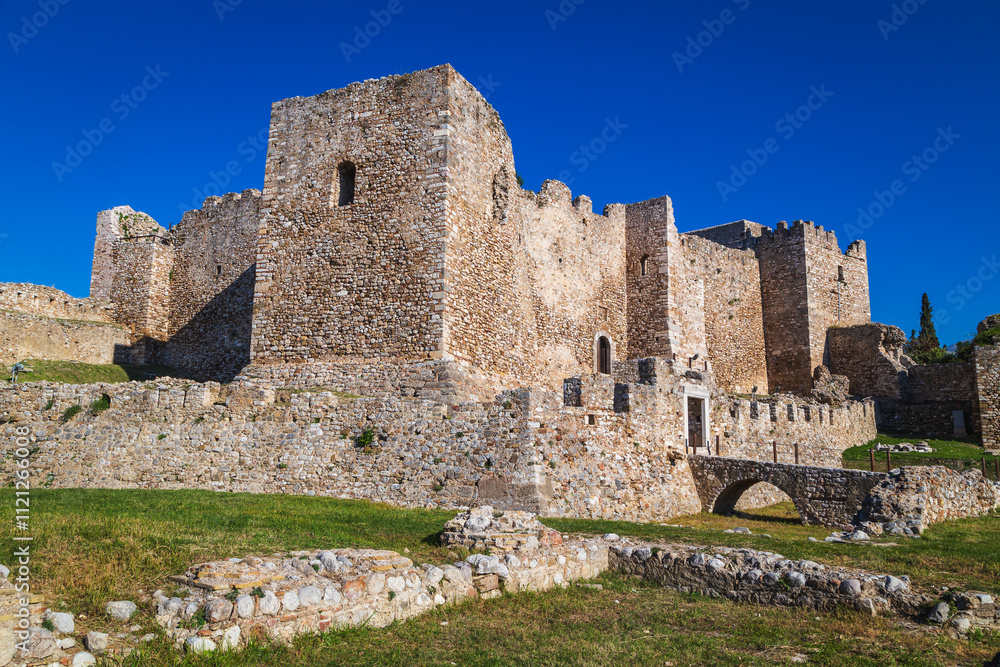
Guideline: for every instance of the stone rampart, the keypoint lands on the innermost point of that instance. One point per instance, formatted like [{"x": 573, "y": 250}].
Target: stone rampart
[
  {"x": 29, "y": 337},
  {"x": 524, "y": 450}
]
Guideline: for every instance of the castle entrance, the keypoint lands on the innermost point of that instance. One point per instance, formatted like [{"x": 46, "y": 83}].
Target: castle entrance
[
  {"x": 695, "y": 422},
  {"x": 696, "y": 416}
]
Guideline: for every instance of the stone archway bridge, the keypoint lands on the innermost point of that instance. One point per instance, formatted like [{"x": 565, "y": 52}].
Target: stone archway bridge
[{"x": 827, "y": 496}]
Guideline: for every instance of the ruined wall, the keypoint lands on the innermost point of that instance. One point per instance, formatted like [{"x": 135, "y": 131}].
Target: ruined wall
[
  {"x": 211, "y": 287},
  {"x": 50, "y": 302},
  {"x": 913, "y": 398},
  {"x": 988, "y": 388},
  {"x": 29, "y": 337},
  {"x": 366, "y": 278},
  {"x": 112, "y": 226},
  {"x": 954, "y": 382},
  {"x": 871, "y": 356},
  {"x": 919, "y": 496},
  {"x": 734, "y": 327}
]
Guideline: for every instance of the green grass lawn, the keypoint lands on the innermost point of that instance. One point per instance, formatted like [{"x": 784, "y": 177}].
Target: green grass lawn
[
  {"x": 952, "y": 453},
  {"x": 75, "y": 372},
  {"x": 92, "y": 546}
]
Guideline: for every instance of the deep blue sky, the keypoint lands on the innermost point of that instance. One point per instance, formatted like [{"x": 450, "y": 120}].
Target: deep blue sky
[{"x": 555, "y": 89}]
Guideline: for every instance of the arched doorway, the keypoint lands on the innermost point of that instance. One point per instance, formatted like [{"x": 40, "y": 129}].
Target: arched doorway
[{"x": 604, "y": 355}]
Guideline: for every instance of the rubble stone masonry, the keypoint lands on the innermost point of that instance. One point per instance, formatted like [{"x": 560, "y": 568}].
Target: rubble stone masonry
[
  {"x": 988, "y": 378},
  {"x": 601, "y": 449}
]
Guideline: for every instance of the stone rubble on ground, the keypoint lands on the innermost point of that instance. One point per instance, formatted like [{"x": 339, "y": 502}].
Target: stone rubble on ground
[
  {"x": 904, "y": 447},
  {"x": 301, "y": 592}
]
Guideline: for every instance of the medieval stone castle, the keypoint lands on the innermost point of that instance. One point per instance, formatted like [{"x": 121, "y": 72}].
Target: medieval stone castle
[
  {"x": 392, "y": 254},
  {"x": 390, "y": 229}
]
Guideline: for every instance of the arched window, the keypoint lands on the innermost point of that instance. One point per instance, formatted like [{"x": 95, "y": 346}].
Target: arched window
[
  {"x": 346, "y": 173},
  {"x": 642, "y": 265},
  {"x": 604, "y": 355}
]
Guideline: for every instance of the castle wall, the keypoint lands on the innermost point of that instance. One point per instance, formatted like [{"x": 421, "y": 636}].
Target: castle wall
[
  {"x": 785, "y": 309},
  {"x": 804, "y": 296},
  {"x": 211, "y": 287},
  {"x": 140, "y": 290},
  {"x": 112, "y": 226},
  {"x": 649, "y": 232},
  {"x": 50, "y": 302},
  {"x": 954, "y": 382},
  {"x": 913, "y": 398},
  {"x": 366, "y": 278},
  {"x": 834, "y": 302},
  {"x": 32, "y": 337},
  {"x": 507, "y": 452},
  {"x": 988, "y": 389},
  {"x": 737, "y": 235},
  {"x": 575, "y": 282},
  {"x": 750, "y": 429},
  {"x": 734, "y": 325},
  {"x": 666, "y": 307}
]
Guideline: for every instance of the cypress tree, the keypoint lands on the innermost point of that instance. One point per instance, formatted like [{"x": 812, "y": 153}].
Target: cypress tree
[{"x": 928, "y": 336}]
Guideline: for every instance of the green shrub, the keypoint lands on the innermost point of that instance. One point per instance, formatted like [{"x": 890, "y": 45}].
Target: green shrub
[
  {"x": 100, "y": 405},
  {"x": 365, "y": 440},
  {"x": 71, "y": 412},
  {"x": 162, "y": 436},
  {"x": 986, "y": 337},
  {"x": 47, "y": 624},
  {"x": 933, "y": 355},
  {"x": 438, "y": 487},
  {"x": 48, "y": 406}
]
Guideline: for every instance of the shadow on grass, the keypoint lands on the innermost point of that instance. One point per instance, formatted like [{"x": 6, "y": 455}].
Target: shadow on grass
[
  {"x": 767, "y": 518},
  {"x": 433, "y": 540}
]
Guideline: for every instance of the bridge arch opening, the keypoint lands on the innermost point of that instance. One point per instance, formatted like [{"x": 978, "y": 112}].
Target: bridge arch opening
[{"x": 748, "y": 495}]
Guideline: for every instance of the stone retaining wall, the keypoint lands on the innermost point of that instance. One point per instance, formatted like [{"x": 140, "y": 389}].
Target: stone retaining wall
[
  {"x": 762, "y": 577},
  {"x": 313, "y": 591}
]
